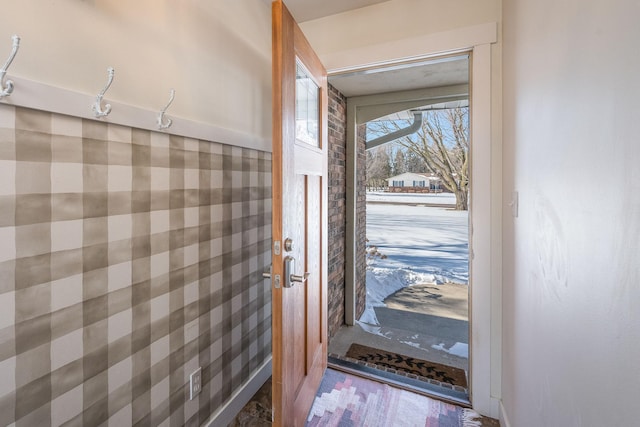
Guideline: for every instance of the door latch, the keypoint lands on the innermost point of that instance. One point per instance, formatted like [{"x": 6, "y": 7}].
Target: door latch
[
  {"x": 267, "y": 274},
  {"x": 276, "y": 277}
]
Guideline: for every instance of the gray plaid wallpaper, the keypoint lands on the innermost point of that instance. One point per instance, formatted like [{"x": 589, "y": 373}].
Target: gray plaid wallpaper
[{"x": 128, "y": 259}]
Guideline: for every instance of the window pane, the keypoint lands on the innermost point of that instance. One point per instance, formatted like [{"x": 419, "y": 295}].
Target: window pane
[{"x": 307, "y": 107}]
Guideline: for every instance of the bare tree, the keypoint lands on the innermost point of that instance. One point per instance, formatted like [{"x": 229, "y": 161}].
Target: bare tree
[
  {"x": 414, "y": 163},
  {"x": 378, "y": 167},
  {"x": 399, "y": 163},
  {"x": 443, "y": 146}
]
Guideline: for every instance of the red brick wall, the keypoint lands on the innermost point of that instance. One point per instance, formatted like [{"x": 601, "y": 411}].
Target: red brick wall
[
  {"x": 337, "y": 203},
  {"x": 337, "y": 213}
]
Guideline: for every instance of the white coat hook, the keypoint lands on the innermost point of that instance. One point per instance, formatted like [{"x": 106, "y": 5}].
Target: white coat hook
[
  {"x": 161, "y": 123},
  {"x": 97, "y": 107},
  {"x": 6, "y": 89}
]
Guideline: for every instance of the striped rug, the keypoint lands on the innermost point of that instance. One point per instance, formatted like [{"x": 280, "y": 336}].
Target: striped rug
[{"x": 347, "y": 400}]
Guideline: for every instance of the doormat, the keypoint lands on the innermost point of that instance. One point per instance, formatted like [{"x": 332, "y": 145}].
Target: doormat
[
  {"x": 347, "y": 400},
  {"x": 409, "y": 365}
]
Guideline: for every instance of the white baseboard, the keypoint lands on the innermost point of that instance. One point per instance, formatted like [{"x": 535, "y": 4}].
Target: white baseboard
[
  {"x": 504, "y": 420},
  {"x": 226, "y": 413}
]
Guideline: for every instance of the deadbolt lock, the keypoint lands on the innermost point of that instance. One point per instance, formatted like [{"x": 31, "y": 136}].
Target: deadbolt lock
[{"x": 288, "y": 245}]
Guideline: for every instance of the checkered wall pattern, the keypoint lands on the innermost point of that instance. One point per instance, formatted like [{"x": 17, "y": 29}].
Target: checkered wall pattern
[{"x": 128, "y": 259}]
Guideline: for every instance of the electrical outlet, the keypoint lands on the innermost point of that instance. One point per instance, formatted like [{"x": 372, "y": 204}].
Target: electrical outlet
[{"x": 195, "y": 383}]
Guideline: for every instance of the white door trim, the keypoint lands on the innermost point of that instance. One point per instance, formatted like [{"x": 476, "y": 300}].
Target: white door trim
[{"x": 486, "y": 194}]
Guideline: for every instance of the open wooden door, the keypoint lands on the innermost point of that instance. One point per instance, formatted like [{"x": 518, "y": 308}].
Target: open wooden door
[{"x": 299, "y": 270}]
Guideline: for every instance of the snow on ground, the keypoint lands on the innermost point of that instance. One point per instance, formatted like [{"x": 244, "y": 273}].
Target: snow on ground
[
  {"x": 458, "y": 349},
  {"x": 422, "y": 245},
  {"x": 420, "y": 239},
  {"x": 432, "y": 198}
]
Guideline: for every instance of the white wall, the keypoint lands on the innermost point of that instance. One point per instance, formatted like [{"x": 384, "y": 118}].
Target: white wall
[
  {"x": 572, "y": 262},
  {"x": 396, "y": 20},
  {"x": 216, "y": 54}
]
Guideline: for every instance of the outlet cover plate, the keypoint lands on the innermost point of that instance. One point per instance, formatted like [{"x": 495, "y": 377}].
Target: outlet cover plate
[{"x": 195, "y": 383}]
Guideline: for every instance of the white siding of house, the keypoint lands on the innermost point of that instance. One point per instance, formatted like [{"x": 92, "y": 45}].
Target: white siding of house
[{"x": 408, "y": 179}]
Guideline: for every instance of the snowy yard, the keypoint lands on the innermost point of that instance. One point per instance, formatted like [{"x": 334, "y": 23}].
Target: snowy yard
[
  {"x": 422, "y": 244},
  {"x": 439, "y": 198}
]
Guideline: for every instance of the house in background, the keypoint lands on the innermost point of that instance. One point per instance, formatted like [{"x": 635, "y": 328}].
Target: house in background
[
  {"x": 130, "y": 256},
  {"x": 410, "y": 182}
]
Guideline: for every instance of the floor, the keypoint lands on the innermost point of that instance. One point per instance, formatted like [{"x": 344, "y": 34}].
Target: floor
[{"x": 257, "y": 413}]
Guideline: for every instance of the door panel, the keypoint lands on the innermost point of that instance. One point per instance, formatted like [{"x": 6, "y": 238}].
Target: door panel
[{"x": 299, "y": 214}]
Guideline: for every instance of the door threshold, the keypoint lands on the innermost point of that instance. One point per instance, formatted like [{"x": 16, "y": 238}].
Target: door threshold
[{"x": 399, "y": 381}]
